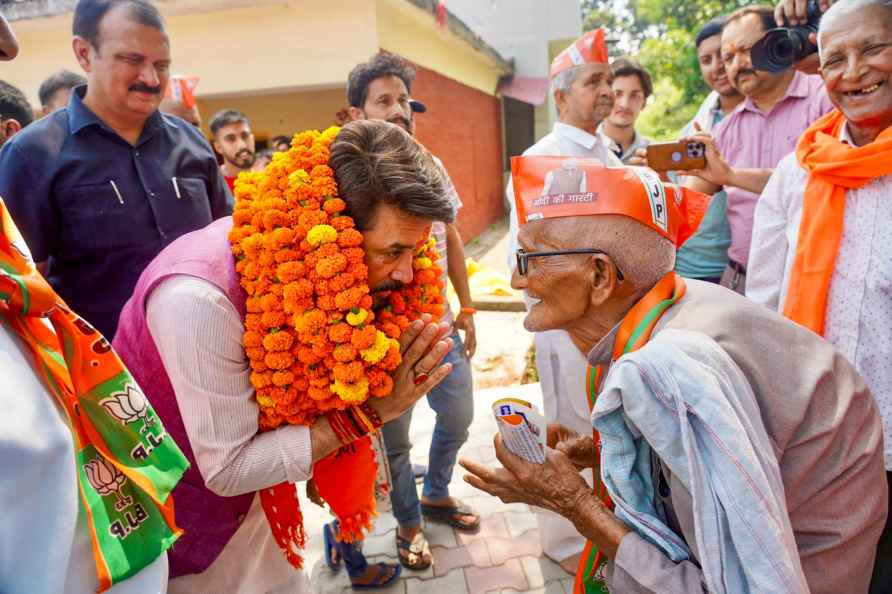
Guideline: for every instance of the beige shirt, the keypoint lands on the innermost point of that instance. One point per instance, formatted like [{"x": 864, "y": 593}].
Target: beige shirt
[
  {"x": 826, "y": 433},
  {"x": 198, "y": 333}
]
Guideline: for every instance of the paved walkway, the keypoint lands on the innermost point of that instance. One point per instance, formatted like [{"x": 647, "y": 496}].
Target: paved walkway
[{"x": 504, "y": 557}]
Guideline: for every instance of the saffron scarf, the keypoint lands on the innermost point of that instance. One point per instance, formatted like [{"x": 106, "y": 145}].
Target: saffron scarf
[
  {"x": 634, "y": 332},
  {"x": 833, "y": 167},
  {"x": 127, "y": 466}
]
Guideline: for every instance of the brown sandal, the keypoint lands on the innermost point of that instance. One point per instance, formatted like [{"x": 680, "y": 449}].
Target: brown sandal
[{"x": 418, "y": 547}]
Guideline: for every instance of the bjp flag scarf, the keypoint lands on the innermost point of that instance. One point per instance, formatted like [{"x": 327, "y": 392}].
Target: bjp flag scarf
[
  {"x": 834, "y": 167},
  {"x": 127, "y": 466}
]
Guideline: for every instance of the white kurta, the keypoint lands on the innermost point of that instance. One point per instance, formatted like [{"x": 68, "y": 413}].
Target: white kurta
[
  {"x": 44, "y": 538},
  {"x": 561, "y": 366},
  {"x": 859, "y": 312}
]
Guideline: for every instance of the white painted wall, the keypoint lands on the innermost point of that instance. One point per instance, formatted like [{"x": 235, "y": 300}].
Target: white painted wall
[{"x": 521, "y": 29}]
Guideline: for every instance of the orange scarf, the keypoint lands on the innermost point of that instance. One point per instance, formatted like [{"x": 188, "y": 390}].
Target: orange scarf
[{"x": 833, "y": 168}]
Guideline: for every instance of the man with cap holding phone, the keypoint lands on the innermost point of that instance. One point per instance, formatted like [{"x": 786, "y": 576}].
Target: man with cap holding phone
[{"x": 581, "y": 81}]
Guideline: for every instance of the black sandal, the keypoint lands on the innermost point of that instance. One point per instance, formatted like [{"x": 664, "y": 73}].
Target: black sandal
[
  {"x": 418, "y": 547},
  {"x": 449, "y": 515}
]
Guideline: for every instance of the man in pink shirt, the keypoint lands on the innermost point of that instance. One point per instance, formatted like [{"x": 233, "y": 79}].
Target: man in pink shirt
[{"x": 748, "y": 144}]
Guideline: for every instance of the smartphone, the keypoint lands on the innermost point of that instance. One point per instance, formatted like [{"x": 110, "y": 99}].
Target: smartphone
[{"x": 676, "y": 156}]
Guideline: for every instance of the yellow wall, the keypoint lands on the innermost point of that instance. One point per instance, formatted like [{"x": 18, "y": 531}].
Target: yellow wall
[
  {"x": 286, "y": 45},
  {"x": 413, "y": 33},
  {"x": 280, "y": 113}
]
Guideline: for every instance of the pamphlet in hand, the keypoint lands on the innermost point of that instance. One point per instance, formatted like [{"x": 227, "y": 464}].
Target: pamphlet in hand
[{"x": 522, "y": 428}]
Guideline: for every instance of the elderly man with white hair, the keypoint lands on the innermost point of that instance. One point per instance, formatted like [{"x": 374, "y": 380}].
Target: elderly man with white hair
[
  {"x": 581, "y": 81},
  {"x": 820, "y": 239},
  {"x": 737, "y": 452}
]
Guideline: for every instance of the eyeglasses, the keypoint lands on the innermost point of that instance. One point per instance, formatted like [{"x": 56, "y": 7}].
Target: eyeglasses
[{"x": 523, "y": 257}]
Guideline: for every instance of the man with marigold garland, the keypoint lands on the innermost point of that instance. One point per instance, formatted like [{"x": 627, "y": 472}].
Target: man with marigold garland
[
  {"x": 380, "y": 90},
  {"x": 273, "y": 341}
]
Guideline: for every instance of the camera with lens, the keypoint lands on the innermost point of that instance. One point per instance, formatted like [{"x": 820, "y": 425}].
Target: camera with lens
[{"x": 784, "y": 46}]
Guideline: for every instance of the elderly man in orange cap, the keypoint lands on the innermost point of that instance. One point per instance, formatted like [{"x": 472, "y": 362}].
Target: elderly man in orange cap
[
  {"x": 581, "y": 82},
  {"x": 735, "y": 450}
]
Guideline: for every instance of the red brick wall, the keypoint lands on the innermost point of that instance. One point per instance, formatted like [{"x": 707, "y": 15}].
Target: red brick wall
[{"x": 463, "y": 127}]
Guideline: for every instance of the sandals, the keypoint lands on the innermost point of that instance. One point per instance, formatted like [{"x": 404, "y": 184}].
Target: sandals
[
  {"x": 417, "y": 547},
  {"x": 381, "y": 580},
  {"x": 449, "y": 515}
]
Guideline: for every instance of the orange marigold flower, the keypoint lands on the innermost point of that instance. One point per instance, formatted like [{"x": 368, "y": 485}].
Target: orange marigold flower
[
  {"x": 274, "y": 218},
  {"x": 270, "y": 302},
  {"x": 290, "y": 271},
  {"x": 282, "y": 378},
  {"x": 363, "y": 338},
  {"x": 350, "y": 298},
  {"x": 332, "y": 265},
  {"x": 252, "y": 339},
  {"x": 342, "y": 223},
  {"x": 392, "y": 360},
  {"x": 340, "y": 332},
  {"x": 384, "y": 389},
  {"x": 278, "y": 341},
  {"x": 310, "y": 321},
  {"x": 307, "y": 357},
  {"x": 326, "y": 302},
  {"x": 350, "y": 238},
  {"x": 281, "y": 360},
  {"x": 345, "y": 352},
  {"x": 273, "y": 319},
  {"x": 390, "y": 329},
  {"x": 334, "y": 205},
  {"x": 255, "y": 353},
  {"x": 261, "y": 380},
  {"x": 254, "y": 322},
  {"x": 354, "y": 255},
  {"x": 318, "y": 393},
  {"x": 258, "y": 365}
]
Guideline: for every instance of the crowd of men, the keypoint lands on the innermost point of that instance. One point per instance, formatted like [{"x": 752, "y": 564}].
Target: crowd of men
[{"x": 732, "y": 357}]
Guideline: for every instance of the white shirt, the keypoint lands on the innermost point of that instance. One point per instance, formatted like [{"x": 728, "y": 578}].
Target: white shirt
[
  {"x": 198, "y": 333},
  {"x": 560, "y": 364},
  {"x": 44, "y": 538},
  {"x": 859, "y": 309}
]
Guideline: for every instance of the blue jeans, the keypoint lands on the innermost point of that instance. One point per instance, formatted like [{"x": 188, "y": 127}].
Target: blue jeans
[{"x": 453, "y": 401}]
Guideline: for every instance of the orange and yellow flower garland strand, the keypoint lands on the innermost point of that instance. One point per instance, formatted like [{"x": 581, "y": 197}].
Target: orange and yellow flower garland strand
[{"x": 312, "y": 338}]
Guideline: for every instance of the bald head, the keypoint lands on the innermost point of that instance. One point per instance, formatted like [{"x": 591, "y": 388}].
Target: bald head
[{"x": 836, "y": 16}]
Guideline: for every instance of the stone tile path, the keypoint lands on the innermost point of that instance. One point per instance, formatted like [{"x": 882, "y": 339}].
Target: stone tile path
[{"x": 503, "y": 557}]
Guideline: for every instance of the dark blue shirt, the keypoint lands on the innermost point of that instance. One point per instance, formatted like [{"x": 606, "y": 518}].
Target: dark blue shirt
[{"x": 99, "y": 209}]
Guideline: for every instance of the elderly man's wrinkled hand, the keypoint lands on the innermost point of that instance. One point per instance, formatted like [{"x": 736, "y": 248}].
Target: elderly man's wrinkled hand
[
  {"x": 555, "y": 485},
  {"x": 794, "y": 12},
  {"x": 580, "y": 449}
]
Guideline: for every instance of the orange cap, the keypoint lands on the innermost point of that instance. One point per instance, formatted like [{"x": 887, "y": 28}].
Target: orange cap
[
  {"x": 591, "y": 47},
  {"x": 181, "y": 89},
  {"x": 549, "y": 187}
]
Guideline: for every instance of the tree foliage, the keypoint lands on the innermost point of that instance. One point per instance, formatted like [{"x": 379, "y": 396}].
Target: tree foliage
[{"x": 660, "y": 33}]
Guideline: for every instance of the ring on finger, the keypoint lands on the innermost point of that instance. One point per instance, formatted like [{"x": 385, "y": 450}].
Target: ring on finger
[{"x": 420, "y": 376}]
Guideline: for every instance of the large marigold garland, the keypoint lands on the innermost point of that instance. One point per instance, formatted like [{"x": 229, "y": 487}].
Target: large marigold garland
[{"x": 313, "y": 340}]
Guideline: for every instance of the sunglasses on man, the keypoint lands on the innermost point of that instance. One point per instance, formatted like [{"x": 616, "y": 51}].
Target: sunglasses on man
[{"x": 523, "y": 257}]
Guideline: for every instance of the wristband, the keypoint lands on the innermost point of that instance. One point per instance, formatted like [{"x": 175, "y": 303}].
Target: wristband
[{"x": 468, "y": 310}]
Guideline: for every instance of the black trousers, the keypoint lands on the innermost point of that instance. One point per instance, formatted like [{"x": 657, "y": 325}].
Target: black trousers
[{"x": 881, "y": 582}]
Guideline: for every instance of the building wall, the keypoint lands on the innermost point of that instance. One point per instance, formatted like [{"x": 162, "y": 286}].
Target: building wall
[
  {"x": 272, "y": 114},
  {"x": 463, "y": 127}
]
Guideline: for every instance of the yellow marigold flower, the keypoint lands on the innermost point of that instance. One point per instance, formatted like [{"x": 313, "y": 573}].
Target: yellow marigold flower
[
  {"x": 423, "y": 263},
  {"x": 265, "y": 401},
  {"x": 351, "y": 392},
  {"x": 320, "y": 234},
  {"x": 298, "y": 177},
  {"x": 357, "y": 318},
  {"x": 377, "y": 351}
]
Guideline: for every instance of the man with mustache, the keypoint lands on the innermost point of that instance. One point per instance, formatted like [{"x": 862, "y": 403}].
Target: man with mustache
[
  {"x": 380, "y": 90},
  {"x": 581, "y": 82},
  {"x": 745, "y": 148},
  {"x": 234, "y": 140},
  {"x": 820, "y": 251},
  {"x": 99, "y": 188},
  {"x": 632, "y": 86}
]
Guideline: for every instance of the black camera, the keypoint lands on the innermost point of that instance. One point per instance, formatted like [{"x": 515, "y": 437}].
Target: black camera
[{"x": 784, "y": 46}]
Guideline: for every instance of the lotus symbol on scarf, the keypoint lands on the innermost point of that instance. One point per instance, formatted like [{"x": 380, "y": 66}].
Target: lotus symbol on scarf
[
  {"x": 128, "y": 406},
  {"x": 105, "y": 478}
]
